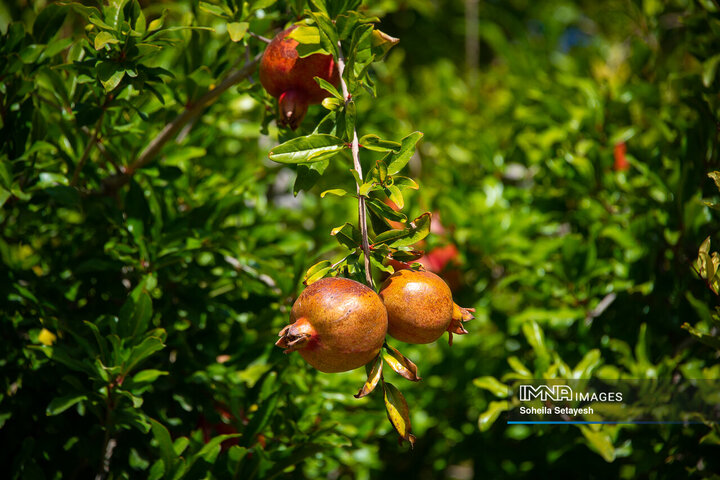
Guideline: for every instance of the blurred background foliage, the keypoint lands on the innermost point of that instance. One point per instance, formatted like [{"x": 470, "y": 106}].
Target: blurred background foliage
[{"x": 565, "y": 157}]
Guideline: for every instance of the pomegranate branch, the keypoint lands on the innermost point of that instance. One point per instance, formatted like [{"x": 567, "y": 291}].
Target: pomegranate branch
[
  {"x": 171, "y": 129},
  {"x": 355, "y": 149}
]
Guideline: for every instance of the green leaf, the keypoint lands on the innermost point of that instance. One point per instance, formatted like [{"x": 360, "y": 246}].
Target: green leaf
[
  {"x": 348, "y": 125},
  {"x": 347, "y": 235},
  {"x": 518, "y": 367},
  {"x": 211, "y": 449},
  {"x": 385, "y": 211},
  {"x": 305, "y": 34},
  {"x": 398, "y": 412},
  {"x": 48, "y": 22},
  {"x": 135, "y": 314},
  {"x": 416, "y": 231},
  {"x": 308, "y": 174},
  {"x": 382, "y": 43},
  {"x": 488, "y": 417},
  {"x": 377, "y": 144},
  {"x": 400, "y": 363},
  {"x": 148, "y": 376},
  {"x": 493, "y": 385},
  {"x": 158, "y": 22},
  {"x": 141, "y": 352},
  {"x": 60, "y": 404},
  {"x": 710, "y": 340},
  {"x": 317, "y": 271},
  {"x": 709, "y": 69},
  {"x": 83, "y": 10},
  {"x": 218, "y": 10},
  {"x": 311, "y": 148},
  {"x": 405, "y": 182},
  {"x": 328, "y": 35},
  {"x": 365, "y": 188},
  {"x": 338, "y": 192},
  {"x": 237, "y": 30},
  {"x": 261, "y": 417},
  {"x": 398, "y": 160},
  {"x": 589, "y": 362},
  {"x": 395, "y": 195},
  {"x": 374, "y": 374},
  {"x": 600, "y": 442},
  {"x": 110, "y": 75},
  {"x": 325, "y": 85},
  {"x": 162, "y": 437}
]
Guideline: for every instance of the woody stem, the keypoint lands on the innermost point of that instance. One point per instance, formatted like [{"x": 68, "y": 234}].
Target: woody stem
[{"x": 355, "y": 149}]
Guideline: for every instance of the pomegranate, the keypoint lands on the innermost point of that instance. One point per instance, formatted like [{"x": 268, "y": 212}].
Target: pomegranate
[
  {"x": 289, "y": 78},
  {"x": 420, "y": 307},
  {"x": 621, "y": 163},
  {"x": 338, "y": 325}
]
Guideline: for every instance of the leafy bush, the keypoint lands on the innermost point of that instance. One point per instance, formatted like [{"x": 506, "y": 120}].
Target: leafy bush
[{"x": 151, "y": 251}]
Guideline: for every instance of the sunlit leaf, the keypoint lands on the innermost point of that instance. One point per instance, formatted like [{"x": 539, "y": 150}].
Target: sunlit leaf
[
  {"x": 374, "y": 373},
  {"x": 237, "y": 30},
  {"x": 400, "y": 363},
  {"x": 493, "y": 385},
  {"x": 398, "y": 412},
  {"x": 397, "y": 160},
  {"x": 317, "y": 271},
  {"x": 488, "y": 417},
  {"x": 311, "y": 148}
]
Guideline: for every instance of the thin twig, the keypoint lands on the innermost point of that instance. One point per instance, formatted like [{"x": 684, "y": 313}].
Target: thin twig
[
  {"x": 355, "y": 149},
  {"x": 259, "y": 37},
  {"x": 171, "y": 129}
]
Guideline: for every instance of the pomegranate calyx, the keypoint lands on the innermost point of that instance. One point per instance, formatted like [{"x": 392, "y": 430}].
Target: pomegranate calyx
[
  {"x": 293, "y": 106},
  {"x": 462, "y": 314},
  {"x": 295, "y": 336},
  {"x": 459, "y": 316}
]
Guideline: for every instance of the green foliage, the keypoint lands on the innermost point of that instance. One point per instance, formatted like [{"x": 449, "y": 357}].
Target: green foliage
[{"x": 140, "y": 300}]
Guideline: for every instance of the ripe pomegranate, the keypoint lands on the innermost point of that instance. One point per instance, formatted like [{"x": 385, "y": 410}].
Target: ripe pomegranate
[
  {"x": 621, "y": 164},
  {"x": 420, "y": 307},
  {"x": 338, "y": 325},
  {"x": 289, "y": 78}
]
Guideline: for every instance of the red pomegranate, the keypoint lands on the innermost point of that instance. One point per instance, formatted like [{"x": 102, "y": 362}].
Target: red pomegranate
[
  {"x": 338, "y": 325},
  {"x": 420, "y": 307},
  {"x": 289, "y": 78}
]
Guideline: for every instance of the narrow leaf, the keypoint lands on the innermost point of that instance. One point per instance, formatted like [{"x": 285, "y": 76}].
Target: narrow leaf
[
  {"x": 60, "y": 404},
  {"x": 311, "y": 148},
  {"x": 348, "y": 235},
  {"x": 325, "y": 85},
  {"x": 492, "y": 385},
  {"x": 104, "y": 38},
  {"x": 377, "y": 144},
  {"x": 399, "y": 159},
  {"x": 488, "y": 417},
  {"x": 317, "y": 271},
  {"x": 398, "y": 412},
  {"x": 400, "y": 363},
  {"x": 374, "y": 374}
]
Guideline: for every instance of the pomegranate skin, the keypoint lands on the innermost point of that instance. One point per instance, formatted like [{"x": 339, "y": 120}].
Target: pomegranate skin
[
  {"x": 289, "y": 78},
  {"x": 337, "y": 325},
  {"x": 420, "y": 307}
]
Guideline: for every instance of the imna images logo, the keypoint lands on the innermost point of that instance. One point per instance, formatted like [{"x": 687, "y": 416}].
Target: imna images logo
[
  {"x": 558, "y": 393},
  {"x": 555, "y": 393}
]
